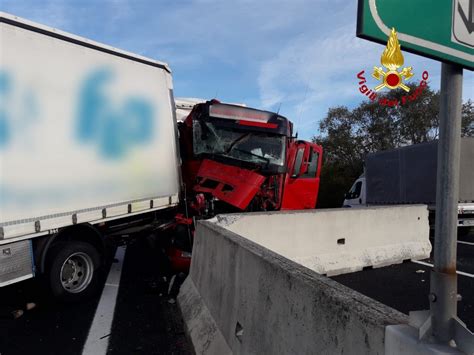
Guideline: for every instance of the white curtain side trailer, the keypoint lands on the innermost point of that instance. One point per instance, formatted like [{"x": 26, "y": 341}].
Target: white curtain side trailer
[{"x": 87, "y": 135}]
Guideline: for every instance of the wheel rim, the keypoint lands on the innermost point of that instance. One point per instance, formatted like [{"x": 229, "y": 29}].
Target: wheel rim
[{"x": 76, "y": 272}]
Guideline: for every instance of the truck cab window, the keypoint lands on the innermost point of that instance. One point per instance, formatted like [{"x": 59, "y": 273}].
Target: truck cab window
[
  {"x": 298, "y": 162},
  {"x": 312, "y": 165},
  {"x": 356, "y": 189},
  {"x": 210, "y": 137}
]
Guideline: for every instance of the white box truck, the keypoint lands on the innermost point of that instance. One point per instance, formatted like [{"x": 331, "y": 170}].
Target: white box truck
[
  {"x": 87, "y": 139},
  {"x": 407, "y": 175}
]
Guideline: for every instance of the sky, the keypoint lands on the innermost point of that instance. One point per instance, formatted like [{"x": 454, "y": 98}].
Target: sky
[{"x": 297, "y": 57}]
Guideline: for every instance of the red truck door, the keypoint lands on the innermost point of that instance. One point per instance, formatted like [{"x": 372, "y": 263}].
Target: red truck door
[{"x": 302, "y": 180}]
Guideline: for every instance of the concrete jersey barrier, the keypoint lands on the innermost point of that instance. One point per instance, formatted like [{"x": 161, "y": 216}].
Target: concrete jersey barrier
[
  {"x": 249, "y": 294},
  {"x": 338, "y": 241}
]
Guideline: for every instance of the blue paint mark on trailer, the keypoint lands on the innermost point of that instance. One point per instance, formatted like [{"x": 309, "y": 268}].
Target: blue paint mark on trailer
[
  {"x": 114, "y": 127},
  {"x": 18, "y": 110},
  {"x": 5, "y": 129},
  {"x": 92, "y": 103}
]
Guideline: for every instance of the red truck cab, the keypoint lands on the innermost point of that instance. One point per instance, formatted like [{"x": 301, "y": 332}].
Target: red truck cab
[
  {"x": 247, "y": 159},
  {"x": 237, "y": 158}
]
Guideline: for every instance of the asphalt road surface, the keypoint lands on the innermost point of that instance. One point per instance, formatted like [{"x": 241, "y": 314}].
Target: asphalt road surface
[
  {"x": 406, "y": 286},
  {"x": 135, "y": 314},
  {"x": 143, "y": 318}
]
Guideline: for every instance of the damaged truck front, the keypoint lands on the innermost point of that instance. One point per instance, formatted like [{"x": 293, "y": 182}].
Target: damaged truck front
[{"x": 238, "y": 159}]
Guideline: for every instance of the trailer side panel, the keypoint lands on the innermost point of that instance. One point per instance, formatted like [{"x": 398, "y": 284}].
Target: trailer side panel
[
  {"x": 407, "y": 175},
  {"x": 85, "y": 134}
]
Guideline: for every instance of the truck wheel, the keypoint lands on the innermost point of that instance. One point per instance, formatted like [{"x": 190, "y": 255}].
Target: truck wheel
[{"x": 73, "y": 271}]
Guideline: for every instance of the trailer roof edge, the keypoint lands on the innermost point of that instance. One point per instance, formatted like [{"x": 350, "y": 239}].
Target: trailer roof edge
[{"x": 69, "y": 37}]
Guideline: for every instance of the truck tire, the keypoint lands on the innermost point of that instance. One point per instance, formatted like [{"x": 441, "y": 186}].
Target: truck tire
[{"x": 73, "y": 271}]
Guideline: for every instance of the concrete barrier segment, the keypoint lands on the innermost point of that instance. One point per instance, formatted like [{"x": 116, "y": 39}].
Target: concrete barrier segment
[
  {"x": 339, "y": 241},
  {"x": 201, "y": 327},
  {"x": 244, "y": 298}
]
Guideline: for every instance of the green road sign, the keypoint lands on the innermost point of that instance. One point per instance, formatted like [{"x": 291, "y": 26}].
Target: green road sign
[{"x": 441, "y": 29}]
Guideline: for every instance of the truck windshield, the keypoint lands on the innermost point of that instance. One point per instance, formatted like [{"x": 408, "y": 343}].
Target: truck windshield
[{"x": 255, "y": 147}]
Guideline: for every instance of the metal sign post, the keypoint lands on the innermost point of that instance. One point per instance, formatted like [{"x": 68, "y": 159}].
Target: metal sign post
[
  {"x": 445, "y": 326},
  {"x": 443, "y": 296}
]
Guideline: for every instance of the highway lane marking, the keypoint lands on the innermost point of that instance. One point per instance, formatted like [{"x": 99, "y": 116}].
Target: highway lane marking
[
  {"x": 463, "y": 242},
  {"x": 431, "y": 265},
  {"x": 98, "y": 338}
]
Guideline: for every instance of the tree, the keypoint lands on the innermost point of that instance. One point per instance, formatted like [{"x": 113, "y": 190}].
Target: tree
[
  {"x": 467, "y": 128},
  {"x": 347, "y": 136}
]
